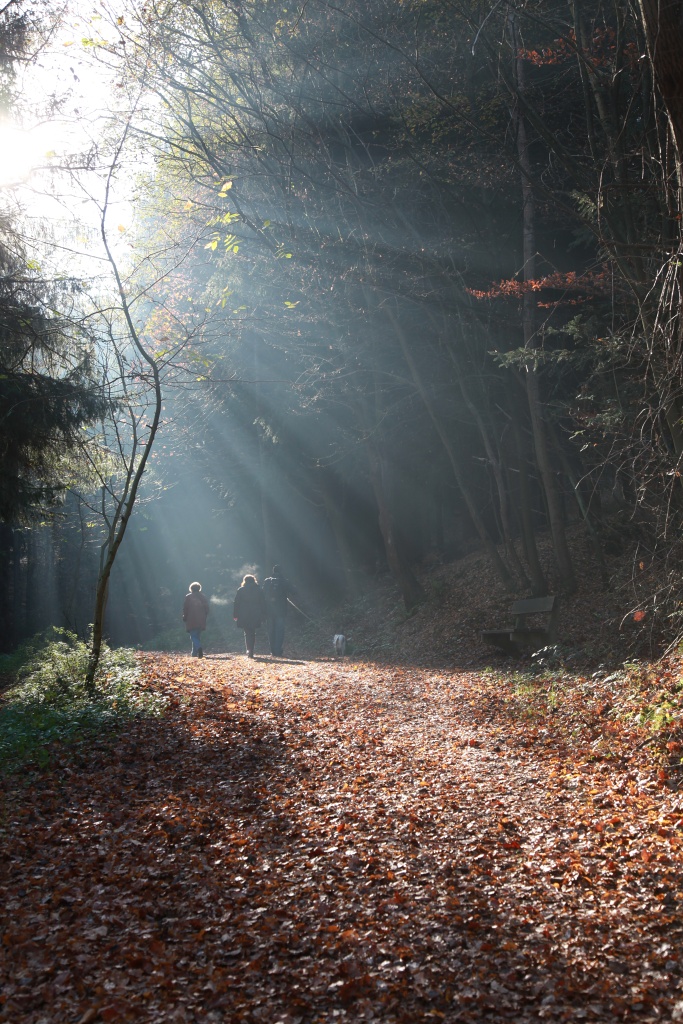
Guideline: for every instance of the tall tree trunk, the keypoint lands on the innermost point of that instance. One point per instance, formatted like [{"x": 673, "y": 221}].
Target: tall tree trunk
[
  {"x": 135, "y": 472},
  {"x": 123, "y": 512},
  {"x": 408, "y": 584},
  {"x": 8, "y": 558},
  {"x": 674, "y": 420},
  {"x": 539, "y": 587},
  {"x": 72, "y": 582},
  {"x": 547, "y": 474},
  {"x": 266, "y": 517},
  {"x": 583, "y": 509},
  {"x": 496, "y": 469},
  {"x": 20, "y": 591},
  {"x": 263, "y": 472},
  {"x": 34, "y": 575},
  {"x": 663, "y": 24},
  {"x": 329, "y": 489},
  {"x": 479, "y": 525},
  {"x": 538, "y": 427}
]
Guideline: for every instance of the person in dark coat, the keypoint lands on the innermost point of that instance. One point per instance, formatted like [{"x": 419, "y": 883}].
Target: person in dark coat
[
  {"x": 249, "y": 611},
  {"x": 276, "y": 590},
  {"x": 195, "y": 611}
]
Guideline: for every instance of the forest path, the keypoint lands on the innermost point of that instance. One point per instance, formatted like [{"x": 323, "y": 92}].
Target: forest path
[{"x": 320, "y": 841}]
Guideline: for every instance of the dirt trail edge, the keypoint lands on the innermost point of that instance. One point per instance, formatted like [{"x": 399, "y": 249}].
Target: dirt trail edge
[{"x": 299, "y": 842}]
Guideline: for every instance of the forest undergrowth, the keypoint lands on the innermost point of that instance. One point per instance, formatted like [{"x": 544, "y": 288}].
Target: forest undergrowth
[{"x": 422, "y": 833}]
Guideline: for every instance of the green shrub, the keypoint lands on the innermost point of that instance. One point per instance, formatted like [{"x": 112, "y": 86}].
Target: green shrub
[
  {"x": 51, "y": 704},
  {"x": 10, "y": 664}
]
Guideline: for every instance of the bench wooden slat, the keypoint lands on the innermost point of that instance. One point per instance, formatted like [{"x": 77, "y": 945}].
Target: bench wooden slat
[
  {"x": 526, "y": 635},
  {"x": 520, "y": 636},
  {"x": 533, "y": 606}
]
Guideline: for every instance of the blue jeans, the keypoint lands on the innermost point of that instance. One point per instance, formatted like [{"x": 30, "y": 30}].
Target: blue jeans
[
  {"x": 196, "y": 638},
  {"x": 276, "y": 634}
]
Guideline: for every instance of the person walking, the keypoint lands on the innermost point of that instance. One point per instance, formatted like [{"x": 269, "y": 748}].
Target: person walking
[
  {"x": 249, "y": 611},
  {"x": 195, "y": 611},
  {"x": 276, "y": 590}
]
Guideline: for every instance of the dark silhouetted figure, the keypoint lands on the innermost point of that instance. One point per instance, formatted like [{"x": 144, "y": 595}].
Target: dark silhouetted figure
[
  {"x": 276, "y": 590},
  {"x": 249, "y": 611},
  {"x": 195, "y": 611}
]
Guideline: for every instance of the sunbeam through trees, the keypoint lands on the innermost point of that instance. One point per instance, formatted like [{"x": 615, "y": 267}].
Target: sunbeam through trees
[{"x": 419, "y": 243}]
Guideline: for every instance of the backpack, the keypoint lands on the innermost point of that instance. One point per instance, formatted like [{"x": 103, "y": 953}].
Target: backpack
[{"x": 275, "y": 593}]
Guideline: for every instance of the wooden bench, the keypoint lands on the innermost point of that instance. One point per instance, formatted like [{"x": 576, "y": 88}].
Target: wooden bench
[{"x": 522, "y": 636}]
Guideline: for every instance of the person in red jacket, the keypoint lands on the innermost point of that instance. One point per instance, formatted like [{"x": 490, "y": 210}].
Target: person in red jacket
[
  {"x": 249, "y": 611},
  {"x": 195, "y": 611}
]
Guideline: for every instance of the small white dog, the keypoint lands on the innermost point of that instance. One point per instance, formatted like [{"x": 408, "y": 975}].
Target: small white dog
[{"x": 339, "y": 645}]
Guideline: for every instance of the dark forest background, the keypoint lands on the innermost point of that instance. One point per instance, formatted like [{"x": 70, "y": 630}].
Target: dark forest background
[{"x": 408, "y": 275}]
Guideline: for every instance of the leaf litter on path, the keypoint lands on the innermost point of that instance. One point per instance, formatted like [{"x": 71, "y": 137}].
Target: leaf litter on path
[{"x": 329, "y": 841}]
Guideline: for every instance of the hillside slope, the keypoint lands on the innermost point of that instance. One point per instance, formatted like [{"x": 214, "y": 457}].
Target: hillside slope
[{"x": 598, "y": 625}]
